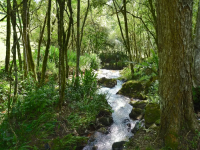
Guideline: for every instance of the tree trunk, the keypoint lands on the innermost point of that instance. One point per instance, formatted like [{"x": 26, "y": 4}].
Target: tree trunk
[
  {"x": 127, "y": 40},
  {"x": 8, "y": 28},
  {"x": 48, "y": 43},
  {"x": 78, "y": 39},
  {"x": 40, "y": 42},
  {"x": 68, "y": 36},
  {"x": 28, "y": 59},
  {"x": 15, "y": 41},
  {"x": 60, "y": 13},
  {"x": 175, "y": 65}
]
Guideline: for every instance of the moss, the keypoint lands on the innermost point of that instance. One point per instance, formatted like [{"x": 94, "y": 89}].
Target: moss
[
  {"x": 152, "y": 114},
  {"x": 107, "y": 82},
  {"x": 139, "y": 104},
  {"x": 132, "y": 89},
  {"x": 136, "y": 113},
  {"x": 171, "y": 140}
]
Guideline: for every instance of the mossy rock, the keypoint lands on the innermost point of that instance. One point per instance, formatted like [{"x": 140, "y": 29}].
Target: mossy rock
[
  {"x": 110, "y": 83},
  {"x": 118, "y": 145},
  {"x": 104, "y": 121},
  {"x": 133, "y": 89},
  {"x": 136, "y": 114},
  {"x": 139, "y": 104},
  {"x": 104, "y": 112},
  {"x": 152, "y": 114}
]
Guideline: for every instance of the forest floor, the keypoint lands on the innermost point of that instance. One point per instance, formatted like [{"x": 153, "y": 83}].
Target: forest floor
[{"x": 148, "y": 139}]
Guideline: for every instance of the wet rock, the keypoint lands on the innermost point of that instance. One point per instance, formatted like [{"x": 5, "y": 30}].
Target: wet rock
[
  {"x": 127, "y": 123},
  {"x": 94, "y": 147},
  {"x": 152, "y": 114},
  {"x": 139, "y": 104},
  {"x": 136, "y": 114},
  {"x": 153, "y": 126},
  {"x": 104, "y": 121},
  {"x": 118, "y": 145},
  {"x": 133, "y": 89},
  {"x": 110, "y": 83},
  {"x": 136, "y": 128},
  {"x": 104, "y": 130},
  {"x": 104, "y": 112}
]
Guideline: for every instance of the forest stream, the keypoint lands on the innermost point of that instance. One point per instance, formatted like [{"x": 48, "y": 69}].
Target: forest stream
[{"x": 120, "y": 130}]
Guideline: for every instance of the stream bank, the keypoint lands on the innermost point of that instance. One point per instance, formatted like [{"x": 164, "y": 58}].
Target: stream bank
[{"x": 122, "y": 125}]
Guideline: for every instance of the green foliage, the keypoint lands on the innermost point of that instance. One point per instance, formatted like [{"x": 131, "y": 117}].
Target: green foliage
[
  {"x": 84, "y": 100},
  {"x": 87, "y": 61},
  {"x": 68, "y": 142},
  {"x": 30, "y": 117},
  {"x": 196, "y": 97}
]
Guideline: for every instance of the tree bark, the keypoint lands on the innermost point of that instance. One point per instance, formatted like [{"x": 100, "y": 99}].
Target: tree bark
[
  {"x": 175, "y": 65},
  {"x": 78, "y": 39},
  {"x": 60, "y": 13},
  {"x": 68, "y": 36},
  {"x": 40, "y": 41},
  {"x": 15, "y": 41},
  {"x": 8, "y": 28},
  {"x": 28, "y": 59},
  {"x": 48, "y": 43},
  {"x": 127, "y": 40}
]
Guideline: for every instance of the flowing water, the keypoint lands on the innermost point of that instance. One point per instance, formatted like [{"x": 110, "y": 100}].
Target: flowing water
[{"x": 119, "y": 131}]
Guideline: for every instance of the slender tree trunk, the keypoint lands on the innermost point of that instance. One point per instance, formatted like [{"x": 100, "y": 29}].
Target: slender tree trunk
[
  {"x": 60, "y": 13},
  {"x": 127, "y": 39},
  {"x": 48, "y": 43},
  {"x": 84, "y": 20},
  {"x": 15, "y": 41},
  {"x": 153, "y": 13},
  {"x": 25, "y": 46},
  {"x": 68, "y": 36},
  {"x": 78, "y": 39},
  {"x": 8, "y": 28},
  {"x": 175, "y": 65},
  {"x": 40, "y": 42},
  {"x": 28, "y": 59},
  {"x": 19, "y": 55}
]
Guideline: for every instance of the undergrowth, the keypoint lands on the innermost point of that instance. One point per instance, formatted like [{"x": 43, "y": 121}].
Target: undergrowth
[{"x": 34, "y": 121}]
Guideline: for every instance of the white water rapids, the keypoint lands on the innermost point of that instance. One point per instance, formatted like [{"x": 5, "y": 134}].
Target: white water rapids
[{"x": 121, "y": 107}]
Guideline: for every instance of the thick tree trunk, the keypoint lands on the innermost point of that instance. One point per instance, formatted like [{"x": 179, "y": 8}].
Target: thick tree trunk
[
  {"x": 175, "y": 65},
  {"x": 8, "y": 28},
  {"x": 48, "y": 43}
]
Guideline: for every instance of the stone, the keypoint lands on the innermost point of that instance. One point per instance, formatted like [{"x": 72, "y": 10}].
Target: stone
[
  {"x": 104, "y": 112},
  {"x": 152, "y": 114},
  {"x": 138, "y": 125},
  {"x": 105, "y": 121},
  {"x": 110, "y": 83},
  {"x": 118, "y": 145},
  {"x": 139, "y": 104},
  {"x": 136, "y": 114},
  {"x": 133, "y": 89},
  {"x": 103, "y": 130}
]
